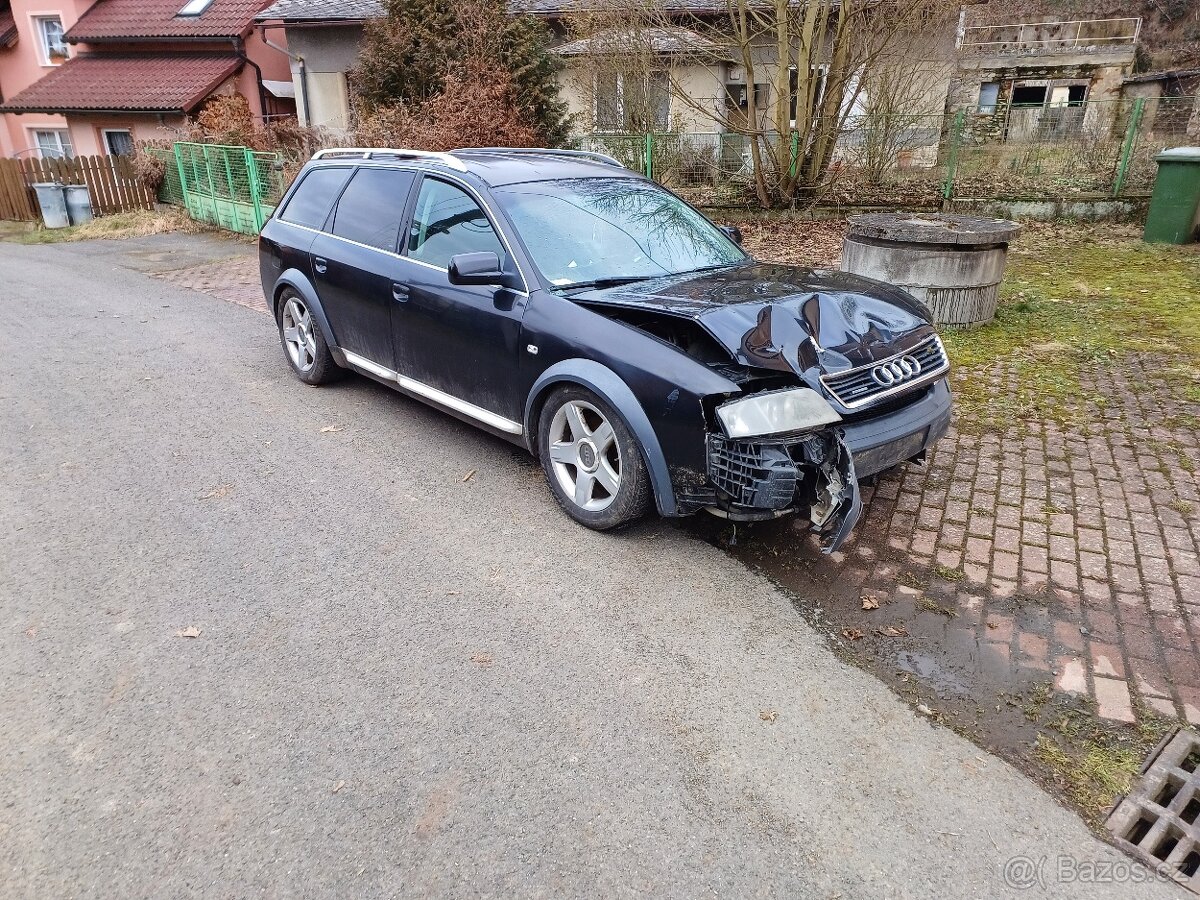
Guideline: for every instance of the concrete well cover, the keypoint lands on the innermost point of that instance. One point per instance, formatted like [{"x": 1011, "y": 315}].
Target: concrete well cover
[{"x": 941, "y": 228}]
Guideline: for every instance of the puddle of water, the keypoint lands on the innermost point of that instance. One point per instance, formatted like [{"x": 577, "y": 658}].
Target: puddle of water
[
  {"x": 921, "y": 642},
  {"x": 929, "y": 671}
]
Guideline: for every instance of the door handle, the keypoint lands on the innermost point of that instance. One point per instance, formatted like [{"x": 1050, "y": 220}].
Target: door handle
[
  {"x": 320, "y": 265},
  {"x": 399, "y": 292}
]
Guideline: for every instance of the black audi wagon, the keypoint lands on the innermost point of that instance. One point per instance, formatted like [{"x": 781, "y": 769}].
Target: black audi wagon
[{"x": 573, "y": 307}]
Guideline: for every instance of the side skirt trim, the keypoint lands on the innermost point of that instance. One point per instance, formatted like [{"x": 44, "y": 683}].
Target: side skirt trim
[{"x": 441, "y": 398}]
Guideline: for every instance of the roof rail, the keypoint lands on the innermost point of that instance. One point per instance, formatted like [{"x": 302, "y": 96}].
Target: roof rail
[
  {"x": 535, "y": 151},
  {"x": 445, "y": 159}
]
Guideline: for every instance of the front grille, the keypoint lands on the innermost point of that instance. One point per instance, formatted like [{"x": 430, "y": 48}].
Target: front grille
[
  {"x": 760, "y": 476},
  {"x": 857, "y": 387}
]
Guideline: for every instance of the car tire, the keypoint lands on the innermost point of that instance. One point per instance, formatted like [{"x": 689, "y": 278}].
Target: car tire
[
  {"x": 592, "y": 461},
  {"x": 303, "y": 343}
]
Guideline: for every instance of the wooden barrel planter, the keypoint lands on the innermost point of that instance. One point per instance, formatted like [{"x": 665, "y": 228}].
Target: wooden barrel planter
[{"x": 953, "y": 264}]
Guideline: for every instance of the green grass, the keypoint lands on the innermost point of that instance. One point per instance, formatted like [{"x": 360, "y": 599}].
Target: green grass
[
  {"x": 1068, "y": 302},
  {"x": 1093, "y": 778}
]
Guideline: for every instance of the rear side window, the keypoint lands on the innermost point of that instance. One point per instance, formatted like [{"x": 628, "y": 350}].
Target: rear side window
[
  {"x": 370, "y": 209},
  {"x": 447, "y": 222},
  {"x": 311, "y": 202}
]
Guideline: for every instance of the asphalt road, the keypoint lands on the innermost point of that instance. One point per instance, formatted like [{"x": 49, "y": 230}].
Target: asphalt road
[{"x": 406, "y": 684}]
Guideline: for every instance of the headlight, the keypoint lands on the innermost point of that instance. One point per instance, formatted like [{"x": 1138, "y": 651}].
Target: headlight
[{"x": 794, "y": 409}]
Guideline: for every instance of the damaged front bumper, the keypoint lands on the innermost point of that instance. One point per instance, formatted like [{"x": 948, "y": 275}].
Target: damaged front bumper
[{"x": 765, "y": 478}]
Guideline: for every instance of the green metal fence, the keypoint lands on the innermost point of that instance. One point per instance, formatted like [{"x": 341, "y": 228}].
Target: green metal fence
[
  {"x": 235, "y": 188},
  {"x": 1094, "y": 150}
]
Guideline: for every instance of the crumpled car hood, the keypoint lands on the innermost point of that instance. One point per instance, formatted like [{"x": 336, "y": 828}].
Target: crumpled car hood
[{"x": 785, "y": 318}]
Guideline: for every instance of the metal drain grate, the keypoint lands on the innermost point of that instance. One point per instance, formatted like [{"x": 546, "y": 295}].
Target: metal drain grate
[{"x": 1159, "y": 820}]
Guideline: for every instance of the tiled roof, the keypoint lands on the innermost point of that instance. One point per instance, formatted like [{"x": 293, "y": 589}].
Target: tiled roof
[
  {"x": 657, "y": 40},
  {"x": 116, "y": 20},
  {"x": 558, "y": 7},
  {"x": 322, "y": 10},
  {"x": 8, "y": 27},
  {"x": 359, "y": 10},
  {"x": 157, "y": 82}
]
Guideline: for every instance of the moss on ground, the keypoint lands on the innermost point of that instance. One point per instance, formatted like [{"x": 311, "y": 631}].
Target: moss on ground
[{"x": 1070, "y": 299}]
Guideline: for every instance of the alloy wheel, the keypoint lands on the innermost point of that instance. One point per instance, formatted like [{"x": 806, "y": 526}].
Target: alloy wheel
[
  {"x": 585, "y": 455},
  {"x": 298, "y": 335}
]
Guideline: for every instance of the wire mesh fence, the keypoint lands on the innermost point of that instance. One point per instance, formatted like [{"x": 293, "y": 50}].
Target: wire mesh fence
[
  {"x": 1089, "y": 150},
  {"x": 235, "y": 188}
]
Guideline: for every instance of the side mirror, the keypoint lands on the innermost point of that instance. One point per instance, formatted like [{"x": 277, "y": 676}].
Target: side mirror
[
  {"x": 732, "y": 232},
  {"x": 477, "y": 268}
]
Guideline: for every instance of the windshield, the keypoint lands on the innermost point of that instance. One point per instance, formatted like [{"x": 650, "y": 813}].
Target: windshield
[{"x": 585, "y": 230}]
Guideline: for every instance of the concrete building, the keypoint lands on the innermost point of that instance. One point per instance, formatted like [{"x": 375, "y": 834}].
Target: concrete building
[
  {"x": 1172, "y": 101},
  {"x": 1023, "y": 81},
  {"x": 322, "y": 38},
  {"x": 32, "y": 45}
]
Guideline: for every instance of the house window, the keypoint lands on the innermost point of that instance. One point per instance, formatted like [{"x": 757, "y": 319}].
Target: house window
[
  {"x": 1029, "y": 95},
  {"x": 50, "y": 35},
  {"x": 819, "y": 75},
  {"x": 633, "y": 103},
  {"x": 54, "y": 144},
  {"x": 118, "y": 142},
  {"x": 194, "y": 7},
  {"x": 989, "y": 93}
]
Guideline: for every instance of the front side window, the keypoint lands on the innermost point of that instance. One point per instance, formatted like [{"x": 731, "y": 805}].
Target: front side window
[
  {"x": 589, "y": 229},
  {"x": 448, "y": 222},
  {"x": 54, "y": 144},
  {"x": 371, "y": 207},
  {"x": 50, "y": 35},
  {"x": 310, "y": 203}
]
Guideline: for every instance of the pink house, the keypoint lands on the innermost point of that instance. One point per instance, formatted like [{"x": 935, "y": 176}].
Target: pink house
[
  {"x": 94, "y": 77},
  {"x": 31, "y": 45}
]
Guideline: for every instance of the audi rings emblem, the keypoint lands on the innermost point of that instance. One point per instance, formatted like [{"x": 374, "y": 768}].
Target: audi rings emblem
[{"x": 896, "y": 371}]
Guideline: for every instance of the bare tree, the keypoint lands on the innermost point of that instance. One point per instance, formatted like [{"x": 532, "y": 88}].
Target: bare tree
[{"x": 805, "y": 64}]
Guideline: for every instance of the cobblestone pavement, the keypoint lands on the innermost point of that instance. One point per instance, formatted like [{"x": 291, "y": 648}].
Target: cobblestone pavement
[
  {"x": 235, "y": 279},
  {"x": 1066, "y": 553},
  {"x": 1056, "y": 553}
]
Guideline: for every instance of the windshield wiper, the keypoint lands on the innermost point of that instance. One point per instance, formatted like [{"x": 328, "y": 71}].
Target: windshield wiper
[{"x": 601, "y": 283}]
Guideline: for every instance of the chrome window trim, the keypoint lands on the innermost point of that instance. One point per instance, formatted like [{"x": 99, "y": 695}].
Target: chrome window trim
[
  {"x": 925, "y": 378},
  {"x": 471, "y": 191},
  {"x": 441, "y": 398}
]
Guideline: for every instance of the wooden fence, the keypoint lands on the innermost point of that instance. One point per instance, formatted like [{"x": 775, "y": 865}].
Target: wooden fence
[{"x": 110, "y": 179}]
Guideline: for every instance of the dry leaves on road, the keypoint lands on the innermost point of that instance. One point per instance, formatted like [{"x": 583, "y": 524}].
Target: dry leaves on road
[
  {"x": 852, "y": 634},
  {"x": 893, "y": 631},
  {"x": 870, "y": 601},
  {"x": 337, "y": 787},
  {"x": 217, "y": 493},
  {"x": 469, "y": 476},
  {"x": 483, "y": 660},
  {"x": 332, "y": 429},
  {"x": 768, "y": 715},
  {"x": 190, "y": 632}
]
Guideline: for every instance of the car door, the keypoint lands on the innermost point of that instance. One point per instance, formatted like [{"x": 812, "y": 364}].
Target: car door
[
  {"x": 356, "y": 266},
  {"x": 462, "y": 340}
]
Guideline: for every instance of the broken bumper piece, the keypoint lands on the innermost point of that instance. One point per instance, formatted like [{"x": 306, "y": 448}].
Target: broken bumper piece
[{"x": 765, "y": 478}]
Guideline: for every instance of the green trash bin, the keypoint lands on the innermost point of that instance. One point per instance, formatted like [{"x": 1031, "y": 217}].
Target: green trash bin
[{"x": 1175, "y": 205}]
